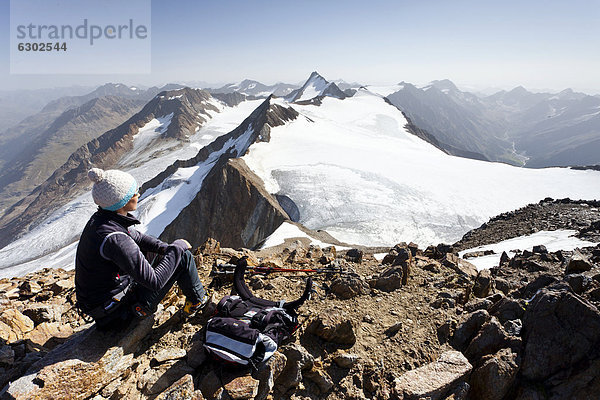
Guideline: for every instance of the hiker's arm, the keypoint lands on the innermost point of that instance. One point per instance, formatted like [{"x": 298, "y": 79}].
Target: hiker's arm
[
  {"x": 123, "y": 251},
  {"x": 148, "y": 243}
]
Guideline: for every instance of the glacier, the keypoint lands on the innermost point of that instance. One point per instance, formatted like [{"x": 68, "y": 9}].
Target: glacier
[{"x": 355, "y": 171}]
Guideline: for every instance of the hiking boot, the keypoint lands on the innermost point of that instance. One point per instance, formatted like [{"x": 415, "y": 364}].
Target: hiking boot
[{"x": 190, "y": 309}]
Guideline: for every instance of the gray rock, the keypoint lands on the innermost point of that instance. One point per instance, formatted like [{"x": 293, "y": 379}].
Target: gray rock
[
  {"x": 44, "y": 312},
  {"x": 467, "y": 330},
  {"x": 557, "y": 320},
  {"x": 578, "y": 282},
  {"x": 320, "y": 378},
  {"x": 460, "y": 392},
  {"x": 345, "y": 360},
  {"x": 433, "y": 380},
  {"x": 508, "y": 309},
  {"x": 182, "y": 389},
  {"x": 297, "y": 360},
  {"x": 493, "y": 379},
  {"x": 514, "y": 327},
  {"x": 168, "y": 354},
  {"x": 332, "y": 327},
  {"x": 459, "y": 265},
  {"x": 268, "y": 373},
  {"x": 578, "y": 263},
  {"x": 489, "y": 340},
  {"x": 478, "y": 304},
  {"x": 7, "y": 355},
  {"x": 503, "y": 285},
  {"x": 347, "y": 287},
  {"x": 483, "y": 283}
]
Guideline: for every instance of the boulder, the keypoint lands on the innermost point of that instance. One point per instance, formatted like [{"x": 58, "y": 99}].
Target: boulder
[
  {"x": 513, "y": 327},
  {"x": 49, "y": 334},
  {"x": 297, "y": 359},
  {"x": 182, "y": 389},
  {"x": 329, "y": 254},
  {"x": 63, "y": 285},
  {"x": 334, "y": 328},
  {"x": 16, "y": 325},
  {"x": 580, "y": 386},
  {"x": 483, "y": 283},
  {"x": 508, "y": 309},
  {"x": 267, "y": 373},
  {"x": 242, "y": 387},
  {"x": 84, "y": 364},
  {"x": 389, "y": 280},
  {"x": 345, "y": 360},
  {"x": 347, "y": 287},
  {"x": 560, "y": 329},
  {"x": 354, "y": 255},
  {"x": 459, "y": 265},
  {"x": 503, "y": 285},
  {"x": 493, "y": 379},
  {"x": 578, "y": 263},
  {"x": 578, "y": 282},
  {"x": 320, "y": 378},
  {"x": 168, "y": 354},
  {"x": 210, "y": 246},
  {"x": 78, "y": 368},
  {"x": 44, "y": 312},
  {"x": 29, "y": 288},
  {"x": 538, "y": 283},
  {"x": 434, "y": 380},
  {"x": 478, "y": 304},
  {"x": 468, "y": 328},
  {"x": 491, "y": 338},
  {"x": 314, "y": 252}
]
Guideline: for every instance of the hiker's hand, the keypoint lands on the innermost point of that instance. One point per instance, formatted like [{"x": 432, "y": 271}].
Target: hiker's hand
[{"x": 183, "y": 243}]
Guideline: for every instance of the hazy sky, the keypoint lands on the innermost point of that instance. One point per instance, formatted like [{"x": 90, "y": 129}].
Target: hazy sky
[{"x": 538, "y": 44}]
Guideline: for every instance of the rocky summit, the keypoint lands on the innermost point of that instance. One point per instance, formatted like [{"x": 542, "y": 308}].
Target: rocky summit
[{"x": 407, "y": 323}]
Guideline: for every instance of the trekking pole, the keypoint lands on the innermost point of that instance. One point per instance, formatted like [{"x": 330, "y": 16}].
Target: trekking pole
[{"x": 230, "y": 268}]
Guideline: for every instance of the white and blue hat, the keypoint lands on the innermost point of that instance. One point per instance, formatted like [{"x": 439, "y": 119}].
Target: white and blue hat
[{"x": 112, "y": 189}]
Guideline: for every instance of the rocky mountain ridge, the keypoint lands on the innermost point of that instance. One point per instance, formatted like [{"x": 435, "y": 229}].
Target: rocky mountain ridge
[
  {"x": 187, "y": 106},
  {"x": 49, "y": 149},
  {"x": 417, "y": 324},
  {"x": 232, "y": 205}
]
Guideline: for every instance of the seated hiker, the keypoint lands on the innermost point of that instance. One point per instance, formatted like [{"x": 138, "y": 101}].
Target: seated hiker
[{"x": 114, "y": 279}]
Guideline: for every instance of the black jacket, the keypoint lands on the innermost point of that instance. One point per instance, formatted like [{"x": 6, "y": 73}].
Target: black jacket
[{"x": 110, "y": 251}]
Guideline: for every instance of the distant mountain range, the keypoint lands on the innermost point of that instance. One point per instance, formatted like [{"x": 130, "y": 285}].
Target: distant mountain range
[
  {"x": 517, "y": 127},
  {"x": 32, "y": 150},
  {"x": 234, "y": 167},
  {"x": 249, "y": 87}
]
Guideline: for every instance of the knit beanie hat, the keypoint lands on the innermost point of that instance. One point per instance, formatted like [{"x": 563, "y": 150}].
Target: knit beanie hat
[{"x": 112, "y": 189}]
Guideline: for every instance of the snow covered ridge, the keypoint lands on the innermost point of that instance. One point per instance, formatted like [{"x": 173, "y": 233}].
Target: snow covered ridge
[
  {"x": 315, "y": 86},
  {"x": 52, "y": 243},
  {"x": 354, "y": 171}
]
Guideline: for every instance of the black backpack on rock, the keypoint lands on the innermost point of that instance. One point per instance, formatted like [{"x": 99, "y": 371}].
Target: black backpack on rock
[{"x": 247, "y": 330}]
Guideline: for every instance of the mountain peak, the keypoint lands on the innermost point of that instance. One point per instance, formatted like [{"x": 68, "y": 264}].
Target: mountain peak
[
  {"x": 315, "y": 86},
  {"x": 519, "y": 90},
  {"x": 444, "y": 84}
]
